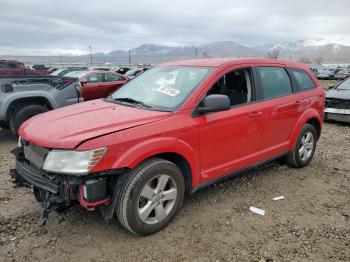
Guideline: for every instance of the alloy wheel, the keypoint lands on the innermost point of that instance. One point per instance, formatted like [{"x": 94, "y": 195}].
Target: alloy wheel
[
  {"x": 306, "y": 146},
  {"x": 157, "y": 199}
]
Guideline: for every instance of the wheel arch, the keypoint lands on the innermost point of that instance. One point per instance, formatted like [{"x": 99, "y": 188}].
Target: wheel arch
[
  {"x": 316, "y": 123},
  {"x": 171, "y": 149},
  {"x": 182, "y": 164},
  {"x": 309, "y": 117},
  {"x": 20, "y": 102}
]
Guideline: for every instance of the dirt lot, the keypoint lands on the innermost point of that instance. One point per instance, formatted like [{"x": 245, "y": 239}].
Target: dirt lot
[{"x": 311, "y": 223}]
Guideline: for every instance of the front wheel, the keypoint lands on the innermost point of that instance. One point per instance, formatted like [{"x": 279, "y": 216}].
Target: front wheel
[
  {"x": 151, "y": 197},
  {"x": 305, "y": 147}
]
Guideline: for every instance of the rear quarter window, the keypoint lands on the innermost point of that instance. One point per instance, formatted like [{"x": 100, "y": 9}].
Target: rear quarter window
[{"x": 302, "y": 79}]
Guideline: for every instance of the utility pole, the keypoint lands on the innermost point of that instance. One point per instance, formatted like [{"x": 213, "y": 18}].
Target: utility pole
[
  {"x": 90, "y": 54},
  {"x": 129, "y": 57}
]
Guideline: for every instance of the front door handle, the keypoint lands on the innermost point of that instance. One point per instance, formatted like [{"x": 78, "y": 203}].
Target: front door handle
[{"x": 256, "y": 114}]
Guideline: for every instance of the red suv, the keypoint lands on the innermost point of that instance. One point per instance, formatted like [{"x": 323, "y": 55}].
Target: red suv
[{"x": 175, "y": 129}]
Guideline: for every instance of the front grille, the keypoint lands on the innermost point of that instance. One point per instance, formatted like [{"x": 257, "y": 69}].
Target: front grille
[
  {"x": 35, "y": 154},
  {"x": 337, "y": 103},
  {"x": 36, "y": 177}
]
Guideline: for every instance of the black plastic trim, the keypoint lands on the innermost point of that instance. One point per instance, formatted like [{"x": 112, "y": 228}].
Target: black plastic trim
[
  {"x": 241, "y": 171},
  {"x": 36, "y": 177}
]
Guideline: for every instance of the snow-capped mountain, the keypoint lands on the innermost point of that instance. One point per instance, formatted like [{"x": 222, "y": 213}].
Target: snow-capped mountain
[
  {"x": 325, "y": 50},
  {"x": 330, "y": 50},
  {"x": 308, "y": 43}
]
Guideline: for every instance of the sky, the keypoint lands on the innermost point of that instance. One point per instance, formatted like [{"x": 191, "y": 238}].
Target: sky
[{"x": 51, "y": 27}]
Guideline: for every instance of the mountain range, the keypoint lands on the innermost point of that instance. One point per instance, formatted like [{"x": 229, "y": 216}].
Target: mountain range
[{"x": 311, "y": 50}]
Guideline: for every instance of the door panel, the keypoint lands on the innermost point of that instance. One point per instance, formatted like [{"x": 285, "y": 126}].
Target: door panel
[
  {"x": 282, "y": 109},
  {"x": 91, "y": 91},
  {"x": 112, "y": 82},
  {"x": 113, "y": 86},
  {"x": 281, "y": 115},
  {"x": 93, "y": 88},
  {"x": 230, "y": 140}
]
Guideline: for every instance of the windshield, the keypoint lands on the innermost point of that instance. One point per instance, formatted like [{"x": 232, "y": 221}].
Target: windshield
[
  {"x": 345, "y": 85},
  {"x": 77, "y": 74},
  {"x": 58, "y": 72},
  {"x": 163, "y": 88}
]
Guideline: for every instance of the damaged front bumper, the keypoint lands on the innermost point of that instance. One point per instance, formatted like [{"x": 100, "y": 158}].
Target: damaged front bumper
[
  {"x": 337, "y": 114},
  {"x": 337, "y": 109},
  {"x": 57, "y": 192}
]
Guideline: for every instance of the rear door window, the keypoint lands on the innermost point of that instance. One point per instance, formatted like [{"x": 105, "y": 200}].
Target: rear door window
[
  {"x": 303, "y": 80},
  {"x": 275, "y": 82},
  {"x": 94, "y": 78},
  {"x": 113, "y": 78}
]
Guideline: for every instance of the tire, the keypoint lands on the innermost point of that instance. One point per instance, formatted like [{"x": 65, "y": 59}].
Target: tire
[
  {"x": 4, "y": 126},
  {"x": 24, "y": 113},
  {"x": 302, "y": 157},
  {"x": 141, "y": 207}
]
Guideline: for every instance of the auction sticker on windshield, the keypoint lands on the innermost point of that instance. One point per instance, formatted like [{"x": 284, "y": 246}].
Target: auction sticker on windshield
[{"x": 168, "y": 91}]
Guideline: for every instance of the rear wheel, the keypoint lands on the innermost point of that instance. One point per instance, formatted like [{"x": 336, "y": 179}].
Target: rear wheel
[
  {"x": 151, "y": 197},
  {"x": 24, "y": 113},
  {"x": 305, "y": 147}
]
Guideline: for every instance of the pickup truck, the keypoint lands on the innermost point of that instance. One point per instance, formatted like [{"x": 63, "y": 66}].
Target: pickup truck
[
  {"x": 24, "y": 97},
  {"x": 15, "y": 68}
]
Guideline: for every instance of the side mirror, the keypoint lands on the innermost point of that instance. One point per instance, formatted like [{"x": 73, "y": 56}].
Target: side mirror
[
  {"x": 83, "y": 82},
  {"x": 215, "y": 103},
  {"x": 331, "y": 86}
]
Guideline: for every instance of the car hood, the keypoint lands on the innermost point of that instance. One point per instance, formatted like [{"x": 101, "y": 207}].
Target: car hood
[
  {"x": 67, "y": 127},
  {"x": 338, "y": 93}
]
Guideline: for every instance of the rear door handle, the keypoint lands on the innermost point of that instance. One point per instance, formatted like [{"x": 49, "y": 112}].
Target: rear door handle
[
  {"x": 255, "y": 114},
  {"x": 298, "y": 102}
]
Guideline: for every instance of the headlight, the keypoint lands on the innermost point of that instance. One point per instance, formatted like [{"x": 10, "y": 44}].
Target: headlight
[{"x": 73, "y": 162}]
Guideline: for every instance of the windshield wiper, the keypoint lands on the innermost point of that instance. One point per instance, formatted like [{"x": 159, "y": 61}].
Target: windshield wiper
[{"x": 130, "y": 100}]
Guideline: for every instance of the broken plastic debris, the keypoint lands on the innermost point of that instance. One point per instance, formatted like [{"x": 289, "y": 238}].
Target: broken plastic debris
[
  {"x": 278, "y": 198},
  {"x": 258, "y": 211}
]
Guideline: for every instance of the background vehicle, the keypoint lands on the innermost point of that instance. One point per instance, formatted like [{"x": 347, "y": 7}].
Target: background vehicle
[
  {"x": 40, "y": 68},
  {"x": 100, "y": 69},
  {"x": 98, "y": 84},
  {"x": 15, "y": 68},
  {"x": 24, "y": 97},
  {"x": 122, "y": 70},
  {"x": 133, "y": 73},
  {"x": 314, "y": 70},
  {"x": 338, "y": 102},
  {"x": 60, "y": 72},
  {"x": 51, "y": 70},
  {"x": 326, "y": 74},
  {"x": 176, "y": 128},
  {"x": 341, "y": 75}
]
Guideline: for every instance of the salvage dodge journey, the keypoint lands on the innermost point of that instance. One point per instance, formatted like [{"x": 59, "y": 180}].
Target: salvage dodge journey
[{"x": 171, "y": 131}]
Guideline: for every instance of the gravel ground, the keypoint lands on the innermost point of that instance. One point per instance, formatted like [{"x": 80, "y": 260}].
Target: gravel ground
[{"x": 215, "y": 224}]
